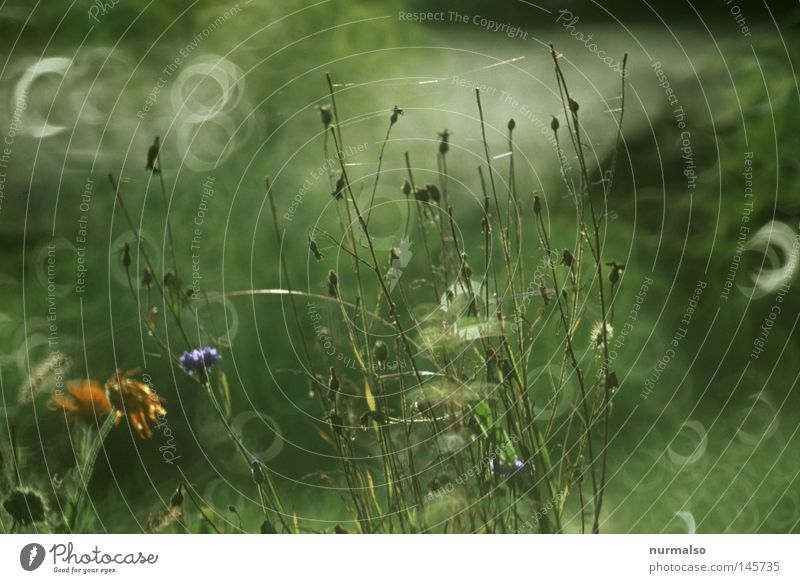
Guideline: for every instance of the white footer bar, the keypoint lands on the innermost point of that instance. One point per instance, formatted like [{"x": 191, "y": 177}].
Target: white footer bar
[{"x": 400, "y": 558}]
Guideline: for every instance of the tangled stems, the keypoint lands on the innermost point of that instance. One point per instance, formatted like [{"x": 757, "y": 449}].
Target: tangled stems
[
  {"x": 570, "y": 108},
  {"x": 516, "y": 364}
]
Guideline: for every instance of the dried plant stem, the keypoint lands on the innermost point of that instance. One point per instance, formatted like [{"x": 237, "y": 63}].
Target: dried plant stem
[
  {"x": 137, "y": 236},
  {"x": 295, "y": 312}
]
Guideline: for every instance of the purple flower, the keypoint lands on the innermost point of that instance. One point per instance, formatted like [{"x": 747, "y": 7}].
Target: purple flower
[
  {"x": 198, "y": 361},
  {"x": 505, "y": 470}
]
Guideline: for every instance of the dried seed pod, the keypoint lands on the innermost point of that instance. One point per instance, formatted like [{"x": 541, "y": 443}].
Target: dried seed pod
[
  {"x": 395, "y": 112},
  {"x": 177, "y": 497},
  {"x": 333, "y": 284},
  {"x": 421, "y": 194},
  {"x": 340, "y": 184},
  {"x": 433, "y": 192},
  {"x": 511, "y": 124},
  {"x": 554, "y": 125},
  {"x": 312, "y": 244},
  {"x": 567, "y": 258},
  {"x": 573, "y": 106},
  {"x": 406, "y": 187},
  {"x": 326, "y": 115},
  {"x": 444, "y": 142},
  {"x": 126, "y": 256},
  {"x": 152, "y": 157},
  {"x": 147, "y": 277},
  {"x": 380, "y": 351},
  {"x": 333, "y": 383},
  {"x": 170, "y": 280},
  {"x": 616, "y": 271}
]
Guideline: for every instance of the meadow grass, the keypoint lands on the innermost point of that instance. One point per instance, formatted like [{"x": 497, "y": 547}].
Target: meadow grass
[{"x": 462, "y": 403}]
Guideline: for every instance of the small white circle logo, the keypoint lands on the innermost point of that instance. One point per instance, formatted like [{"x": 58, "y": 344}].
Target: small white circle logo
[{"x": 31, "y": 556}]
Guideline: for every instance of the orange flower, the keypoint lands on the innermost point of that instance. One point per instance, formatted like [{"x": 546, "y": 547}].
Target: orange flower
[
  {"x": 85, "y": 399},
  {"x": 134, "y": 400}
]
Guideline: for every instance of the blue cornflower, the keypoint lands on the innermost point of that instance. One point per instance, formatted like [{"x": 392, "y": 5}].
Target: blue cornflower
[
  {"x": 505, "y": 470},
  {"x": 198, "y": 361}
]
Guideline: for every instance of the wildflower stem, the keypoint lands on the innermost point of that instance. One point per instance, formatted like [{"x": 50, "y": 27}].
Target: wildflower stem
[
  {"x": 86, "y": 470},
  {"x": 137, "y": 236}
]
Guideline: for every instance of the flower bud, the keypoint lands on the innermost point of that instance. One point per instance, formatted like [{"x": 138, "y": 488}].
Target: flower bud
[
  {"x": 395, "y": 112},
  {"x": 434, "y": 193},
  {"x": 421, "y": 194},
  {"x": 326, "y": 115},
  {"x": 340, "y": 184},
  {"x": 380, "y": 351},
  {"x": 333, "y": 382},
  {"x": 573, "y": 106},
  {"x": 177, "y": 497},
  {"x": 333, "y": 284},
  {"x": 444, "y": 142},
  {"x": 147, "y": 277},
  {"x": 126, "y": 256}
]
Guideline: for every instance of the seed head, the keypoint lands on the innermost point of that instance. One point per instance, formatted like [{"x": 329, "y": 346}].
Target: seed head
[
  {"x": 554, "y": 125},
  {"x": 511, "y": 124},
  {"x": 406, "y": 187}
]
